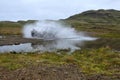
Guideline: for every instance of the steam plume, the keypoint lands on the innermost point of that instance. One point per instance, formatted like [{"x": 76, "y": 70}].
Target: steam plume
[{"x": 63, "y": 35}]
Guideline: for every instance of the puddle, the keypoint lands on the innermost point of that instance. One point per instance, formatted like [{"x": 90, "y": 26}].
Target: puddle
[
  {"x": 0, "y": 36},
  {"x": 16, "y": 48},
  {"x": 49, "y": 46}
]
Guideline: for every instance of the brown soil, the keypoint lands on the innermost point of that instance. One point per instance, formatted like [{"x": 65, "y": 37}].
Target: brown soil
[
  {"x": 42, "y": 72},
  {"x": 15, "y": 39},
  {"x": 48, "y": 72}
]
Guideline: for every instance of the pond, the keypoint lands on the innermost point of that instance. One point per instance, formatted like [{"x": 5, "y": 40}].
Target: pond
[{"x": 49, "y": 46}]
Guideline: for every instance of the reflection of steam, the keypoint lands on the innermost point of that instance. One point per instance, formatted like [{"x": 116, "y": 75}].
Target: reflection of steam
[
  {"x": 55, "y": 45},
  {"x": 49, "y": 46}
]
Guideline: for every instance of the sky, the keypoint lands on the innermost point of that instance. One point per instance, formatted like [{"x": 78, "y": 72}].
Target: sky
[{"x": 50, "y": 9}]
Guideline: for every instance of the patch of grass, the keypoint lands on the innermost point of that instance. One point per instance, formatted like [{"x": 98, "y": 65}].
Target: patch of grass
[
  {"x": 109, "y": 35},
  {"x": 11, "y": 31},
  {"x": 13, "y": 28},
  {"x": 10, "y": 28},
  {"x": 102, "y": 60},
  {"x": 110, "y": 30}
]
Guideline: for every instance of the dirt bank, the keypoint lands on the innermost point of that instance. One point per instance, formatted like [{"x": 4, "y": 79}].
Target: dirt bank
[{"x": 15, "y": 39}]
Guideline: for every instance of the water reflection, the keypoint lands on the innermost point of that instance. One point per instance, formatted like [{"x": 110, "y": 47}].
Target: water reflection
[
  {"x": 55, "y": 45},
  {"x": 16, "y": 48},
  {"x": 0, "y": 36},
  {"x": 50, "y": 46}
]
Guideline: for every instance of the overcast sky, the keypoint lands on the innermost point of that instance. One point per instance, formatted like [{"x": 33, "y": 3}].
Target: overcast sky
[{"x": 50, "y": 9}]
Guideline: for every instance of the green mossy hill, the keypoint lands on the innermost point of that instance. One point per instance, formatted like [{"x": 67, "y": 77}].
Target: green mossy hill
[
  {"x": 103, "y": 23},
  {"x": 98, "y": 16},
  {"x": 15, "y": 24}
]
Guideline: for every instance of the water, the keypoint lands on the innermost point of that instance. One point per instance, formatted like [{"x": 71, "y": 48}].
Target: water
[
  {"x": 0, "y": 36},
  {"x": 49, "y": 46},
  {"x": 16, "y": 48}
]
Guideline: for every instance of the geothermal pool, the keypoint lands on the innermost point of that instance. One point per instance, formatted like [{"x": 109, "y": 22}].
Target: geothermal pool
[
  {"x": 43, "y": 46},
  {"x": 54, "y": 35}
]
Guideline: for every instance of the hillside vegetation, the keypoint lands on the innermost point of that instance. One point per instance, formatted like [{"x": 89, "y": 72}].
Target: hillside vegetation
[
  {"x": 98, "y": 16},
  {"x": 104, "y": 23}
]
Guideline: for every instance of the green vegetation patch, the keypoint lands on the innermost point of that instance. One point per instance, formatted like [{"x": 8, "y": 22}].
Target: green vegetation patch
[{"x": 101, "y": 61}]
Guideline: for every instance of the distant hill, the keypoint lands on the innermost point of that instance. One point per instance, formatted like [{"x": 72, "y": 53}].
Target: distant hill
[
  {"x": 10, "y": 27},
  {"x": 18, "y": 23},
  {"x": 97, "y": 16},
  {"x": 103, "y": 23}
]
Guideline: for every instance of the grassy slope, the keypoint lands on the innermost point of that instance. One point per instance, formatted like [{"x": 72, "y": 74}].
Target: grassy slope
[{"x": 104, "y": 23}]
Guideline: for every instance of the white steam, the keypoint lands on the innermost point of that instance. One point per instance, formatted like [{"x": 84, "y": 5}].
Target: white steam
[
  {"x": 57, "y": 29},
  {"x": 63, "y": 35},
  {"x": 54, "y": 28}
]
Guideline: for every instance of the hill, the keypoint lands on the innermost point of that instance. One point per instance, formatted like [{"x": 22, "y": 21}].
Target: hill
[
  {"x": 98, "y": 16},
  {"x": 103, "y": 23}
]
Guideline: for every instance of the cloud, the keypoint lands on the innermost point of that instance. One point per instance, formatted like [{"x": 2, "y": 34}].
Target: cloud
[{"x": 50, "y": 9}]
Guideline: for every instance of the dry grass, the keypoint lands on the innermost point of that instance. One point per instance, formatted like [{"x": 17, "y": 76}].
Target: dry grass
[{"x": 10, "y": 30}]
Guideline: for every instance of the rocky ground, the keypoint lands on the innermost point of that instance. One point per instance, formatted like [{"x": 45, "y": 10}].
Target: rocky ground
[{"x": 43, "y": 72}]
